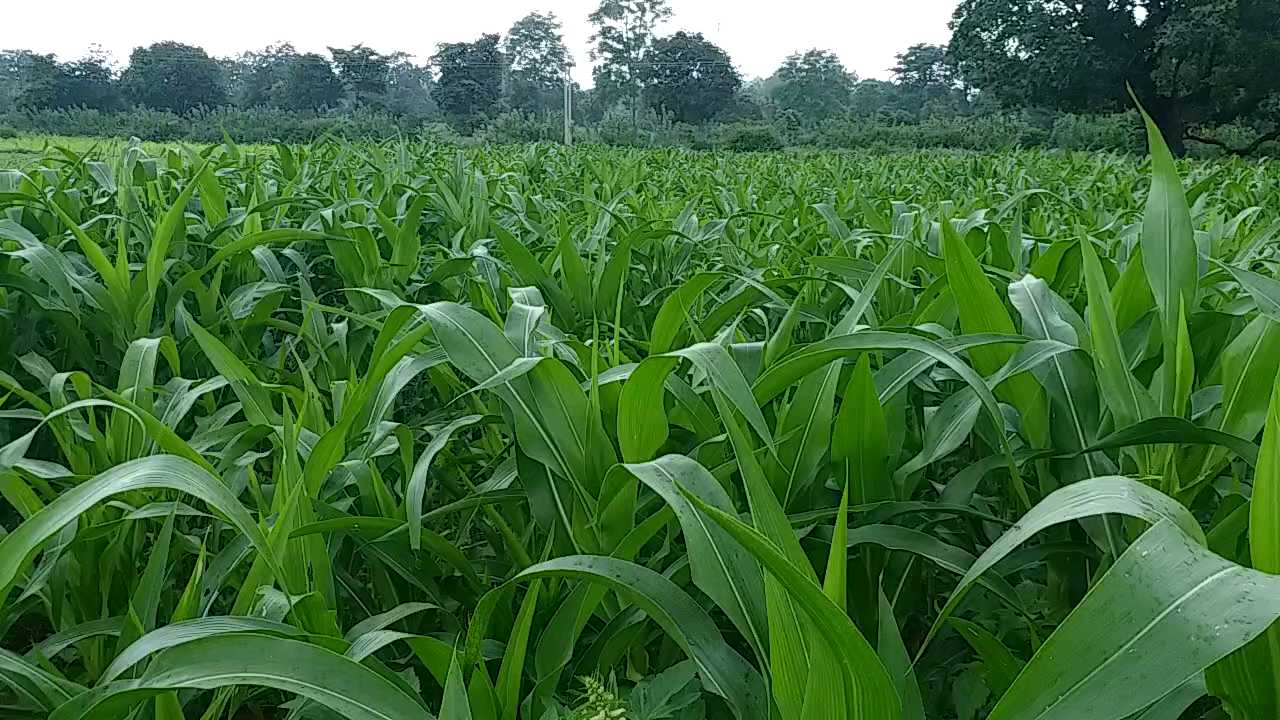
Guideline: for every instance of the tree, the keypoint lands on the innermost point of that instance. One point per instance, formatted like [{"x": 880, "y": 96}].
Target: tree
[
  {"x": 257, "y": 78},
  {"x": 815, "y": 85},
  {"x": 174, "y": 77},
  {"x": 409, "y": 89},
  {"x": 926, "y": 82},
  {"x": 40, "y": 81},
  {"x": 689, "y": 77},
  {"x": 364, "y": 72},
  {"x": 878, "y": 98},
  {"x": 537, "y": 60},
  {"x": 470, "y": 82},
  {"x": 923, "y": 66},
  {"x": 309, "y": 84},
  {"x": 13, "y": 65},
  {"x": 1188, "y": 61},
  {"x": 621, "y": 45}
]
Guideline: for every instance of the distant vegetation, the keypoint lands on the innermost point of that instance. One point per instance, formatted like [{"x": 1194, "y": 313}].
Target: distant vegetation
[{"x": 1023, "y": 74}]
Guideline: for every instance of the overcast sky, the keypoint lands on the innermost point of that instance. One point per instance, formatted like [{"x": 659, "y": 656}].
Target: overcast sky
[{"x": 757, "y": 34}]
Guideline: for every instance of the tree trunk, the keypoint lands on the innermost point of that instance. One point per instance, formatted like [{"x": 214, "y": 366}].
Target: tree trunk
[{"x": 1167, "y": 114}]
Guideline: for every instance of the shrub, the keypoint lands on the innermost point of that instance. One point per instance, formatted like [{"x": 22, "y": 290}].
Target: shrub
[
  {"x": 750, "y": 138},
  {"x": 1119, "y": 132}
]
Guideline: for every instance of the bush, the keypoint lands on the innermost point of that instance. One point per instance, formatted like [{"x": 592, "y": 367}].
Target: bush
[
  {"x": 988, "y": 132},
  {"x": 983, "y": 133},
  {"x": 518, "y": 127},
  {"x": 749, "y": 138},
  {"x": 251, "y": 125},
  {"x": 1119, "y": 132}
]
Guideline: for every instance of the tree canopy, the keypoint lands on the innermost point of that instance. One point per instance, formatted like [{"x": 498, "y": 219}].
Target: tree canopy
[
  {"x": 690, "y": 77},
  {"x": 310, "y": 84},
  {"x": 258, "y": 77},
  {"x": 49, "y": 84},
  {"x": 175, "y": 77},
  {"x": 364, "y": 72},
  {"x": 623, "y": 40},
  {"x": 814, "y": 85},
  {"x": 536, "y": 58},
  {"x": 1188, "y": 61},
  {"x": 470, "y": 81}
]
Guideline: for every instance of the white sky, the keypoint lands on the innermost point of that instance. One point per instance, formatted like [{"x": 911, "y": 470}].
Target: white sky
[{"x": 757, "y": 34}]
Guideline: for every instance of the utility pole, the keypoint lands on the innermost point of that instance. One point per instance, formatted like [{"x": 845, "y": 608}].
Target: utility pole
[{"x": 568, "y": 107}]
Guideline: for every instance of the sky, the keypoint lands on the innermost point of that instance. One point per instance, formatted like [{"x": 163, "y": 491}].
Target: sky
[{"x": 758, "y": 35}]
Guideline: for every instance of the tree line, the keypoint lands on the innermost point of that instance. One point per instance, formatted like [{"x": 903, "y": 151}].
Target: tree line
[{"x": 1191, "y": 63}]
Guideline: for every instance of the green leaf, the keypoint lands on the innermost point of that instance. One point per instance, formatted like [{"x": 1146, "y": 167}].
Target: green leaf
[
  {"x": 999, "y": 666},
  {"x": 675, "y": 309},
  {"x": 456, "y": 705},
  {"x": 1087, "y": 498},
  {"x": 1169, "y": 254},
  {"x": 1127, "y": 398},
  {"x": 158, "y": 471},
  {"x": 253, "y": 395},
  {"x": 513, "y": 657},
  {"x": 175, "y": 634},
  {"x": 982, "y": 311},
  {"x": 722, "y": 669},
  {"x": 874, "y": 695},
  {"x": 664, "y": 695},
  {"x": 1153, "y": 622},
  {"x": 416, "y": 490},
  {"x": 321, "y": 675},
  {"x": 720, "y": 566}
]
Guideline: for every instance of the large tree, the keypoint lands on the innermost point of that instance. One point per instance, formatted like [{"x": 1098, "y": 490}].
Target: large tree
[
  {"x": 690, "y": 77},
  {"x": 923, "y": 66},
  {"x": 470, "y": 81},
  {"x": 309, "y": 84},
  {"x": 257, "y": 77},
  {"x": 537, "y": 60},
  {"x": 623, "y": 40},
  {"x": 46, "y": 83},
  {"x": 409, "y": 89},
  {"x": 926, "y": 83},
  {"x": 814, "y": 85},
  {"x": 13, "y": 65},
  {"x": 174, "y": 77},
  {"x": 1188, "y": 61},
  {"x": 364, "y": 72}
]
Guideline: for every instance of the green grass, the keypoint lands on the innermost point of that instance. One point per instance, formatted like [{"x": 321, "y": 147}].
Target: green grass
[{"x": 357, "y": 430}]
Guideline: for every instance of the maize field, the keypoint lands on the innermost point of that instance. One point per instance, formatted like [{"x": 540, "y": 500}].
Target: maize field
[{"x": 400, "y": 430}]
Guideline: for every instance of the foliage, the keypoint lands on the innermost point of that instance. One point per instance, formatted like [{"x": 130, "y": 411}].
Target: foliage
[
  {"x": 47, "y": 84},
  {"x": 409, "y": 90},
  {"x": 470, "y": 82},
  {"x": 257, "y": 78},
  {"x": 537, "y": 60},
  {"x": 1190, "y": 62},
  {"x": 690, "y": 77},
  {"x": 749, "y": 137},
  {"x": 815, "y": 85},
  {"x": 253, "y": 125},
  {"x": 397, "y": 429},
  {"x": 173, "y": 77},
  {"x": 364, "y": 72},
  {"x": 621, "y": 45},
  {"x": 310, "y": 84},
  {"x": 924, "y": 66},
  {"x": 517, "y": 127}
]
